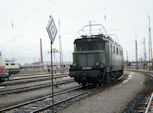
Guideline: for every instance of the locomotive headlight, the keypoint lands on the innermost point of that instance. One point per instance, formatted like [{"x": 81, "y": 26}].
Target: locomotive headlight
[{"x": 97, "y": 63}]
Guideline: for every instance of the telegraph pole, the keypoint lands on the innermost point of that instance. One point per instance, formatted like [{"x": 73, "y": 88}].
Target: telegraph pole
[
  {"x": 144, "y": 55},
  {"x": 41, "y": 53},
  {"x": 60, "y": 49},
  {"x": 127, "y": 56},
  {"x": 136, "y": 49},
  {"x": 136, "y": 54},
  {"x": 127, "y": 59},
  {"x": 150, "y": 46},
  {"x": 144, "y": 51}
]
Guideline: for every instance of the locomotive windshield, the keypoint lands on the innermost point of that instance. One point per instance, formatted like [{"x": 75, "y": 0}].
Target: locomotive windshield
[{"x": 89, "y": 46}]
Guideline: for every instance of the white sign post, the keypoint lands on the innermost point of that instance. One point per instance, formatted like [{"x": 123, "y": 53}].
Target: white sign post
[{"x": 52, "y": 31}]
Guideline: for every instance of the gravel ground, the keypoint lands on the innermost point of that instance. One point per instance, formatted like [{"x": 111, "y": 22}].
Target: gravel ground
[{"x": 114, "y": 99}]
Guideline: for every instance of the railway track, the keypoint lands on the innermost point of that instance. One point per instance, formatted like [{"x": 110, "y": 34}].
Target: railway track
[
  {"x": 62, "y": 101},
  {"x": 34, "y": 87},
  {"x": 34, "y": 73},
  {"x": 31, "y": 102},
  {"x": 149, "y": 108},
  {"x": 44, "y": 102},
  {"x": 34, "y": 76},
  {"x": 32, "y": 79}
]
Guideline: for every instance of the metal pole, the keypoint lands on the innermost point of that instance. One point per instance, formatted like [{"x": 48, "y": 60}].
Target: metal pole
[
  {"x": 52, "y": 78},
  {"x": 150, "y": 46},
  {"x": 54, "y": 58},
  {"x": 41, "y": 52},
  {"x": 145, "y": 55},
  {"x": 60, "y": 49},
  {"x": 136, "y": 50},
  {"x": 127, "y": 56}
]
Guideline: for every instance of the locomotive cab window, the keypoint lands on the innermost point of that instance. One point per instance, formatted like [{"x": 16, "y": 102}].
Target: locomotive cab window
[
  {"x": 89, "y": 46},
  {"x": 7, "y": 64},
  {"x": 116, "y": 50},
  {"x": 12, "y": 63}
]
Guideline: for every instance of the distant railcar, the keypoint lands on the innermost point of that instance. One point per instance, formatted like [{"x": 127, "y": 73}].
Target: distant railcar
[
  {"x": 97, "y": 59},
  {"x": 12, "y": 67},
  {"x": 3, "y": 73}
]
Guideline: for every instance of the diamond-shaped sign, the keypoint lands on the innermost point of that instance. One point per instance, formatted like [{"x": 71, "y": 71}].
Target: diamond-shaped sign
[{"x": 51, "y": 29}]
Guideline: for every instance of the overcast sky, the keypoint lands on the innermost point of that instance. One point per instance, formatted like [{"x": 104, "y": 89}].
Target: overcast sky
[{"x": 23, "y": 23}]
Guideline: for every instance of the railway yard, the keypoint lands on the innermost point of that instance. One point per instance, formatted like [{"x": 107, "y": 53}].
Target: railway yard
[
  {"x": 83, "y": 56},
  {"x": 32, "y": 93}
]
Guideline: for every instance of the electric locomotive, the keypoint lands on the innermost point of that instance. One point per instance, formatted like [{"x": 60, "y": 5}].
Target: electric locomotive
[
  {"x": 3, "y": 72},
  {"x": 97, "y": 59},
  {"x": 12, "y": 67}
]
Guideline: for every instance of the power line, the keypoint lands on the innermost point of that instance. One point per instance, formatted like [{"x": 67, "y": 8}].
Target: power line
[{"x": 68, "y": 11}]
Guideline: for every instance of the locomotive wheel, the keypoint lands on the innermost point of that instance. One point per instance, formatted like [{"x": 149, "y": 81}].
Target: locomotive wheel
[
  {"x": 105, "y": 79},
  {"x": 115, "y": 76},
  {"x": 95, "y": 84},
  {"x": 118, "y": 74},
  {"x": 109, "y": 77},
  {"x": 84, "y": 84},
  {"x": 100, "y": 78}
]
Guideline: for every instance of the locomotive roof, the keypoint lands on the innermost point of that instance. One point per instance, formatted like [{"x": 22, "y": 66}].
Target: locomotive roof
[{"x": 100, "y": 37}]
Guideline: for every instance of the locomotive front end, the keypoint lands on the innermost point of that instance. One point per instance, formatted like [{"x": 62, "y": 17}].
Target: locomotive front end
[{"x": 88, "y": 60}]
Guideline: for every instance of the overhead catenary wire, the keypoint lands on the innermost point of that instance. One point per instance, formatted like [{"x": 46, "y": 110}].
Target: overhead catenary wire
[{"x": 68, "y": 11}]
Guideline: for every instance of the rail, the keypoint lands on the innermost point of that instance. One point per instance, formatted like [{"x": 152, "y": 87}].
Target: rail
[
  {"x": 61, "y": 99},
  {"x": 29, "y": 80},
  {"x": 28, "y": 88},
  {"x": 143, "y": 71},
  {"x": 149, "y": 104}
]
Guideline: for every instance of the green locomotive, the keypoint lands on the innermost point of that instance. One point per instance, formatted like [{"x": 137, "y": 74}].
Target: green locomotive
[{"x": 97, "y": 59}]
